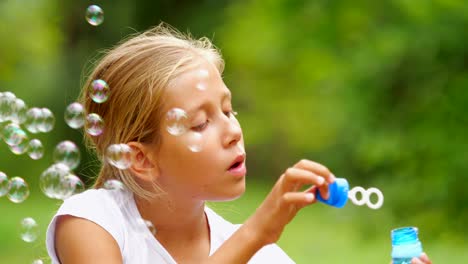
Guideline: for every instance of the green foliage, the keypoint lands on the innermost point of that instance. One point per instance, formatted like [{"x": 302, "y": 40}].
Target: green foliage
[
  {"x": 374, "y": 90},
  {"x": 377, "y": 92}
]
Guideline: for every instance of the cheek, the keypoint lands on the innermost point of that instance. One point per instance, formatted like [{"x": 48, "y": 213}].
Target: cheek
[{"x": 189, "y": 152}]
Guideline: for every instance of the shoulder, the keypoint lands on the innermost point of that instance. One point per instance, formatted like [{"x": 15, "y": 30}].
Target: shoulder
[
  {"x": 78, "y": 240},
  {"x": 85, "y": 219}
]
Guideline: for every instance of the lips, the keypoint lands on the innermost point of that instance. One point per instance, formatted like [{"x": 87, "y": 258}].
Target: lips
[{"x": 237, "y": 162}]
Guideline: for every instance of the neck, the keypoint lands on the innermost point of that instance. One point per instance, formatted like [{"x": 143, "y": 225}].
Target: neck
[{"x": 175, "y": 220}]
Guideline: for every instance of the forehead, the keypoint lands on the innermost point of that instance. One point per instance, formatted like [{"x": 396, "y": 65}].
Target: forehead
[{"x": 197, "y": 84}]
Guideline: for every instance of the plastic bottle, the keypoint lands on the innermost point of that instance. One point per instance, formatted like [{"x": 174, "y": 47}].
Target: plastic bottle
[{"x": 405, "y": 245}]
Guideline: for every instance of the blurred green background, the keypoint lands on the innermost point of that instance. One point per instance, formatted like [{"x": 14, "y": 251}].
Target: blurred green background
[{"x": 375, "y": 90}]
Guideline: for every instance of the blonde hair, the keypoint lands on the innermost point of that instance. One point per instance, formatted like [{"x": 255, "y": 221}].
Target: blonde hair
[{"x": 138, "y": 72}]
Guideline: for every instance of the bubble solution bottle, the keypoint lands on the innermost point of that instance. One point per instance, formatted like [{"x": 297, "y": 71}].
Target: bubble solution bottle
[{"x": 405, "y": 245}]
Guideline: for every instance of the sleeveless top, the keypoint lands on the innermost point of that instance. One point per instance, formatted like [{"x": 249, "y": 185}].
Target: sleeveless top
[{"x": 116, "y": 212}]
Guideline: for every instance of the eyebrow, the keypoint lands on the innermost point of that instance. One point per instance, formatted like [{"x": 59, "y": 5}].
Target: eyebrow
[{"x": 226, "y": 95}]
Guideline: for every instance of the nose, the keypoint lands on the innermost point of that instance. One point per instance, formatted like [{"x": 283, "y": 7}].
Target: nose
[{"x": 233, "y": 132}]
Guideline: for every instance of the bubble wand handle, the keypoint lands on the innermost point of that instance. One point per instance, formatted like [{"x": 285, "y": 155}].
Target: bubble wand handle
[{"x": 338, "y": 191}]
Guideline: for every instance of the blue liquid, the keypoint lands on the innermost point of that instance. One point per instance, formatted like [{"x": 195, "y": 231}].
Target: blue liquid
[
  {"x": 405, "y": 245},
  {"x": 401, "y": 260}
]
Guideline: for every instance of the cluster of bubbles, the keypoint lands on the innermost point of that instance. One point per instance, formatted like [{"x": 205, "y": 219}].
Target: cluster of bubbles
[
  {"x": 76, "y": 118},
  {"x": 59, "y": 181},
  {"x": 365, "y": 195},
  {"x": 16, "y": 120},
  {"x": 16, "y": 188}
]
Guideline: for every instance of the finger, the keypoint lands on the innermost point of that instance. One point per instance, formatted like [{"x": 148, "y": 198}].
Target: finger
[
  {"x": 416, "y": 261},
  {"x": 324, "y": 192},
  {"x": 425, "y": 258},
  {"x": 294, "y": 177},
  {"x": 300, "y": 199},
  {"x": 312, "y": 190},
  {"x": 316, "y": 168}
]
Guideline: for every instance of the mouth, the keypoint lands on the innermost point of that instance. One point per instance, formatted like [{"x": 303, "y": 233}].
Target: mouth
[
  {"x": 238, "y": 166},
  {"x": 238, "y": 161}
]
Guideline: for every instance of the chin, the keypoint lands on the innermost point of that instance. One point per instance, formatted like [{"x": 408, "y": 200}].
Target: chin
[{"x": 233, "y": 194}]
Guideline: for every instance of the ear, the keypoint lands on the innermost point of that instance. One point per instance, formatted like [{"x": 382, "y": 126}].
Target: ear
[{"x": 144, "y": 165}]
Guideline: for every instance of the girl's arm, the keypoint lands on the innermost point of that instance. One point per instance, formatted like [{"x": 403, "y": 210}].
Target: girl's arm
[
  {"x": 278, "y": 209},
  {"x": 74, "y": 235}
]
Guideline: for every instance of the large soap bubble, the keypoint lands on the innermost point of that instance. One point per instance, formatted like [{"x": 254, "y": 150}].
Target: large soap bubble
[
  {"x": 51, "y": 180},
  {"x": 4, "y": 184},
  {"x": 66, "y": 152},
  {"x": 35, "y": 149},
  {"x": 99, "y": 91},
  {"x": 94, "y": 124},
  {"x": 119, "y": 156},
  {"x": 176, "y": 121},
  {"x": 94, "y": 15},
  {"x": 75, "y": 115},
  {"x": 7, "y": 99},
  {"x": 29, "y": 229},
  {"x": 13, "y": 134},
  {"x": 19, "y": 190}
]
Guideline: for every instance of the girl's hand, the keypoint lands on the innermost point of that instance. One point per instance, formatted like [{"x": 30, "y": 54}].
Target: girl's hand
[
  {"x": 286, "y": 199},
  {"x": 423, "y": 259}
]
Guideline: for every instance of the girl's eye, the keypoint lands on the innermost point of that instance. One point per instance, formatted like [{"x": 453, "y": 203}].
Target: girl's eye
[
  {"x": 200, "y": 127},
  {"x": 230, "y": 113}
]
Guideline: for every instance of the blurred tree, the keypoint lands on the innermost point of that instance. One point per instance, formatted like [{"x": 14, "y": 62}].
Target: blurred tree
[{"x": 374, "y": 90}]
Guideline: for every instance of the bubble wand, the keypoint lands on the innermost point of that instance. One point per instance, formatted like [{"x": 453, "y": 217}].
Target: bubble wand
[{"x": 339, "y": 193}]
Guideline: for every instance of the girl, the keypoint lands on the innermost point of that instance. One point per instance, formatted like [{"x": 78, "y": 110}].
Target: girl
[{"x": 166, "y": 96}]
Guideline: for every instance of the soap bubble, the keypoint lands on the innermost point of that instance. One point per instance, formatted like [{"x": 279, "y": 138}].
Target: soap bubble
[
  {"x": 51, "y": 180},
  {"x": 94, "y": 124},
  {"x": 47, "y": 121},
  {"x": 20, "y": 148},
  {"x": 114, "y": 184},
  {"x": 67, "y": 152},
  {"x": 29, "y": 229},
  {"x": 70, "y": 185},
  {"x": 203, "y": 73},
  {"x": 35, "y": 149},
  {"x": 94, "y": 15},
  {"x": 195, "y": 141},
  {"x": 18, "y": 111},
  {"x": 13, "y": 134},
  {"x": 201, "y": 86},
  {"x": 176, "y": 121},
  {"x": 144, "y": 225},
  {"x": 33, "y": 118},
  {"x": 75, "y": 115},
  {"x": 7, "y": 99},
  {"x": 19, "y": 190},
  {"x": 4, "y": 184},
  {"x": 119, "y": 156},
  {"x": 99, "y": 91}
]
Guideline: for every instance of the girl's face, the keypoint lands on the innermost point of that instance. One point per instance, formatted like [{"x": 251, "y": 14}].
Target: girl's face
[{"x": 216, "y": 170}]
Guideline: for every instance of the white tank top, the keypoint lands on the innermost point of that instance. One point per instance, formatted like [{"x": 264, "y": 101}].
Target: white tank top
[{"x": 116, "y": 212}]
